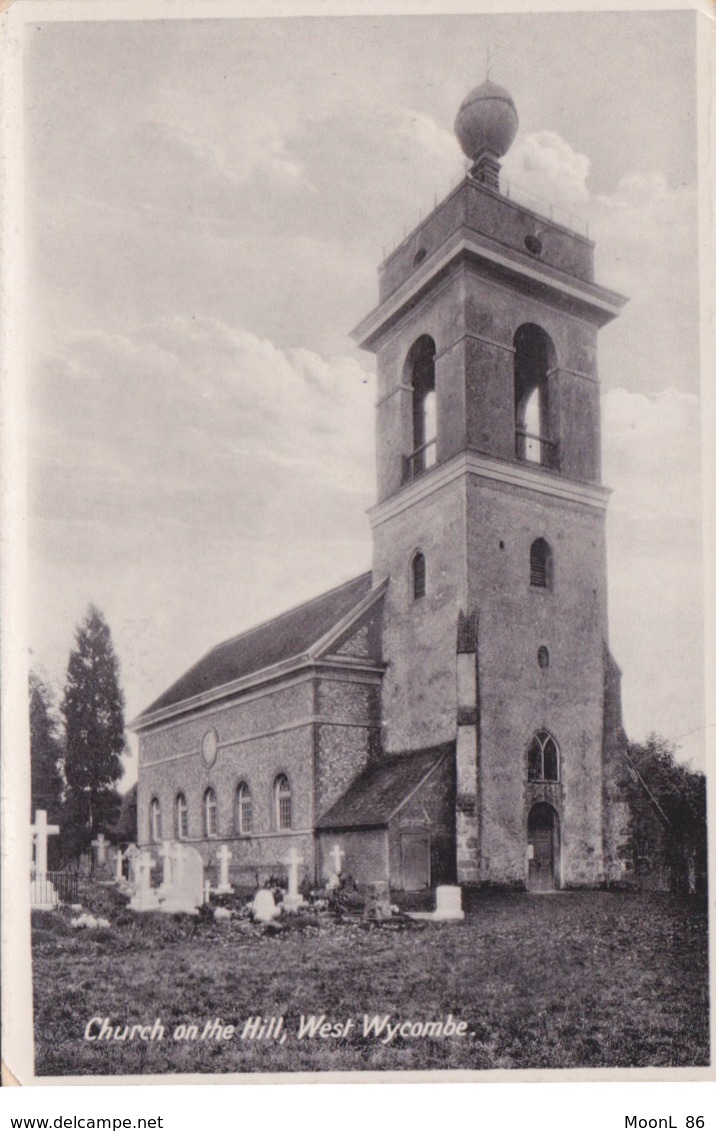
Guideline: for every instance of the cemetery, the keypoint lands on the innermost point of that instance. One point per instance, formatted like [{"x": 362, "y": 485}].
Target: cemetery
[{"x": 294, "y": 977}]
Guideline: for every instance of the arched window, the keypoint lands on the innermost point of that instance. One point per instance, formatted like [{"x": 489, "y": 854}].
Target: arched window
[
  {"x": 542, "y": 758},
  {"x": 540, "y": 564},
  {"x": 244, "y": 816},
  {"x": 535, "y": 440},
  {"x": 543, "y": 657},
  {"x": 181, "y": 815},
  {"x": 419, "y": 575},
  {"x": 210, "y": 827},
  {"x": 155, "y": 820},
  {"x": 282, "y": 802},
  {"x": 419, "y": 374}
]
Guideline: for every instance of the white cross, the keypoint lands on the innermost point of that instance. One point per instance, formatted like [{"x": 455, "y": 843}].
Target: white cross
[
  {"x": 293, "y": 861},
  {"x": 101, "y": 845},
  {"x": 145, "y": 870},
  {"x": 41, "y": 831},
  {"x": 336, "y": 854},
  {"x": 166, "y": 852},
  {"x": 224, "y": 855}
]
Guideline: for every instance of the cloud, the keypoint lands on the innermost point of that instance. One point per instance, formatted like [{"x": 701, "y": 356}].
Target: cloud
[
  {"x": 652, "y": 460},
  {"x": 645, "y": 233},
  {"x": 544, "y": 165},
  {"x": 191, "y": 475}
]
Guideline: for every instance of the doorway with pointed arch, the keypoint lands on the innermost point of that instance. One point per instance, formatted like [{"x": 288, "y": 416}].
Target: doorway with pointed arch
[{"x": 543, "y": 848}]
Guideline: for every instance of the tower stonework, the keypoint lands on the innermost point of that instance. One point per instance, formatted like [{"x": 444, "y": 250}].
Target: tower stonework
[{"x": 490, "y": 501}]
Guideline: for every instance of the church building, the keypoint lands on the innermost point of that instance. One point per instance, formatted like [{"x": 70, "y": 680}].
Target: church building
[{"x": 454, "y": 715}]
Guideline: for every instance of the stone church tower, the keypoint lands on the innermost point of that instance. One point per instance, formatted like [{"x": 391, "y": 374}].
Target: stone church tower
[
  {"x": 454, "y": 714},
  {"x": 490, "y": 520}
]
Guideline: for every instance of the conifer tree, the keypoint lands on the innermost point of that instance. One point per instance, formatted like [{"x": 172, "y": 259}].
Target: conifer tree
[
  {"x": 93, "y": 710},
  {"x": 45, "y": 751}
]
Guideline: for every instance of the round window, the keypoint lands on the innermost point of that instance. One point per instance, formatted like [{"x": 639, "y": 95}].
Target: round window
[
  {"x": 209, "y": 746},
  {"x": 533, "y": 245}
]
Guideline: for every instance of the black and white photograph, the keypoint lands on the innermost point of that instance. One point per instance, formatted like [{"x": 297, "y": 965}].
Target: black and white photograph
[{"x": 364, "y": 721}]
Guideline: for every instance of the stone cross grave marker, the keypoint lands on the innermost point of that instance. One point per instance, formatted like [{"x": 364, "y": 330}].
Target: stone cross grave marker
[
  {"x": 334, "y": 877},
  {"x": 41, "y": 831},
  {"x": 293, "y": 899},
  {"x": 43, "y": 896},
  {"x": 145, "y": 897},
  {"x": 100, "y": 844},
  {"x": 224, "y": 855},
  {"x": 167, "y": 853},
  {"x": 133, "y": 855}
]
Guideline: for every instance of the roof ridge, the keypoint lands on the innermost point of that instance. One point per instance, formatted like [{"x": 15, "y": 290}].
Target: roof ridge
[{"x": 286, "y": 613}]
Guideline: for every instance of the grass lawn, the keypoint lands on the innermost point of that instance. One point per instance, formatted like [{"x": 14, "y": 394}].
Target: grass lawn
[{"x": 588, "y": 979}]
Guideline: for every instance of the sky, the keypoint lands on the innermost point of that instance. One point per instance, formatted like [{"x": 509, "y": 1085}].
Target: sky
[{"x": 207, "y": 204}]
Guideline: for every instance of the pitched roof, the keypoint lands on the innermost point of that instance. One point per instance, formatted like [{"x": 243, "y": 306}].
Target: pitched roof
[
  {"x": 376, "y": 794},
  {"x": 282, "y": 638}
]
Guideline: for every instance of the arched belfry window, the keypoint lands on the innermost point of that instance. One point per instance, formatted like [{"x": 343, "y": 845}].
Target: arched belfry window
[
  {"x": 419, "y": 375},
  {"x": 419, "y": 575},
  {"x": 543, "y": 758},
  {"x": 282, "y": 802},
  {"x": 540, "y": 564},
  {"x": 534, "y": 361}
]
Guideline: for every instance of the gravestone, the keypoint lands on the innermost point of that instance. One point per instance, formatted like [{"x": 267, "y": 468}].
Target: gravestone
[
  {"x": 448, "y": 903},
  {"x": 448, "y": 906},
  {"x": 186, "y": 891},
  {"x": 293, "y": 899},
  {"x": 145, "y": 897},
  {"x": 118, "y": 866},
  {"x": 224, "y": 855},
  {"x": 263, "y": 907},
  {"x": 377, "y": 904},
  {"x": 43, "y": 896}
]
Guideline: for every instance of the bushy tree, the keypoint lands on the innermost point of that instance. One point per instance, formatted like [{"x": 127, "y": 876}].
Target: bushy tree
[
  {"x": 679, "y": 791},
  {"x": 93, "y": 710},
  {"x": 45, "y": 751}
]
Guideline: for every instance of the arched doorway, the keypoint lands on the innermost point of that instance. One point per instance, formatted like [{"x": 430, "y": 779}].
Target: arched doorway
[{"x": 542, "y": 847}]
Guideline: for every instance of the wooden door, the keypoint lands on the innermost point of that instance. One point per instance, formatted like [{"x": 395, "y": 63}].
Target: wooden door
[
  {"x": 415, "y": 860},
  {"x": 542, "y": 842},
  {"x": 542, "y": 860}
]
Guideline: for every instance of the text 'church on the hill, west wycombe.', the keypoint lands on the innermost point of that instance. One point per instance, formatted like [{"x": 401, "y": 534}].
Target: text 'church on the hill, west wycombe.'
[{"x": 454, "y": 715}]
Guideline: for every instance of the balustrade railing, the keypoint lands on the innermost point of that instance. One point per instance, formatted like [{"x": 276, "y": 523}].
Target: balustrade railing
[
  {"x": 536, "y": 449},
  {"x": 420, "y": 460}
]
